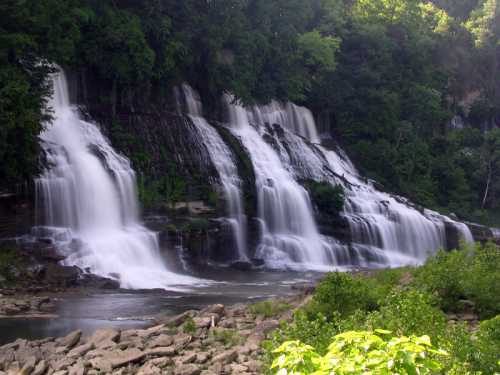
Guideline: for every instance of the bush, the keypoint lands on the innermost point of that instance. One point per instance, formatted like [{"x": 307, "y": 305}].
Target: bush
[
  {"x": 361, "y": 352},
  {"x": 468, "y": 273},
  {"x": 269, "y": 309},
  {"x": 409, "y": 312},
  {"x": 318, "y": 332},
  {"x": 343, "y": 293},
  {"x": 487, "y": 347},
  {"x": 329, "y": 198}
]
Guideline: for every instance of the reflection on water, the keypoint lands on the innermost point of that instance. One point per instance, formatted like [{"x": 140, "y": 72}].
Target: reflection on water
[{"x": 136, "y": 309}]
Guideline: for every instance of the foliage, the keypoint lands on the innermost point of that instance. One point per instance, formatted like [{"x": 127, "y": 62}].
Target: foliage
[
  {"x": 343, "y": 293},
  {"x": 228, "y": 337},
  {"x": 357, "y": 352},
  {"x": 269, "y": 309},
  {"x": 409, "y": 312},
  {"x": 330, "y": 199},
  {"x": 9, "y": 262},
  {"x": 390, "y": 72},
  {"x": 189, "y": 326},
  {"x": 409, "y": 302},
  {"x": 464, "y": 274}
]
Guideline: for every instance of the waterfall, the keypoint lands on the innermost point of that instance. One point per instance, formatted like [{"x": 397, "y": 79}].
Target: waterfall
[
  {"x": 222, "y": 159},
  {"x": 384, "y": 228},
  {"x": 89, "y": 202},
  {"x": 289, "y": 234}
]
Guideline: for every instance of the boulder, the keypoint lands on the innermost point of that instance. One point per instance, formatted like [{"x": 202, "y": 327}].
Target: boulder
[
  {"x": 225, "y": 357},
  {"x": 70, "y": 340},
  {"x": 189, "y": 369},
  {"x": 103, "y": 335}
]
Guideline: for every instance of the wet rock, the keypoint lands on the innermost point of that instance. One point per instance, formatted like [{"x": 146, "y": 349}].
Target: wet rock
[
  {"x": 62, "y": 275},
  {"x": 241, "y": 265}
]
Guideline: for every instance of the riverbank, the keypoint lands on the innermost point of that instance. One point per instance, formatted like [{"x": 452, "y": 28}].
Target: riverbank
[{"x": 214, "y": 340}]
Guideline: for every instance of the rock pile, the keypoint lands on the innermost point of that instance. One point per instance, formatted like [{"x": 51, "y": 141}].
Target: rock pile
[
  {"x": 215, "y": 340},
  {"x": 28, "y": 306}
]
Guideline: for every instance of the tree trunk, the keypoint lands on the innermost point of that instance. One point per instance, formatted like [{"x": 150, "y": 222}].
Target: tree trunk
[{"x": 486, "y": 190}]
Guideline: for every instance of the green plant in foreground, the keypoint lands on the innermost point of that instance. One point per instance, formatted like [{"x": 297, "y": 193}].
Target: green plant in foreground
[{"x": 361, "y": 352}]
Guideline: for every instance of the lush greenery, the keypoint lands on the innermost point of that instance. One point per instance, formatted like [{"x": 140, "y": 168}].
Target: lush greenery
[
  {"x": 435, "y": 300},
  {"x": 362, "y": 352},
  {"x": 389, "y": 74}
]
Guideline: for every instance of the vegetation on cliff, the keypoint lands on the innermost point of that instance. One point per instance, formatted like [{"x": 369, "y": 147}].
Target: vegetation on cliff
[{"x": 389, "y": 76}]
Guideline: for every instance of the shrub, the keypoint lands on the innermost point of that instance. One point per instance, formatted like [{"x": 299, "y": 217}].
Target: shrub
[
  {"x": 409, "y": 312},
  {"x": 481, "y": 276},
  {"x": 269, "y": 309},
  {"x": 329, "y": 198},
  {"x": 317, "y": 332},
  {"x": 343, "y": 293},
  {"x": 228, "y": 337},
  {"x": 362, "y": 352},
  {"x": 469, "y": 273},
  {"x": 189, "y": 326},
  {"x": 442, "y": 275},
  {"x": 487, "y": 347}
]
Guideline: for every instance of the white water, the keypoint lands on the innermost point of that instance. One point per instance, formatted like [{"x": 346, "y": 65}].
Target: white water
[
  {"x": 289, "y": 234},
  {"x": 222, "y": 159},
  {"x": 89, "y": 203},
  {"x": 395, "y": 232}
]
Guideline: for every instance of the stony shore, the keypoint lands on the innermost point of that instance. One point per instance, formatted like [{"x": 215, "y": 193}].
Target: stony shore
[{"x": 215, "y": 340}]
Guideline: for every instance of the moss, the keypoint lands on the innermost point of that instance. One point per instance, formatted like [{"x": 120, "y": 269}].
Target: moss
[
  {"x": 197, "y": 225},
  {"x": 328, "y": 199}
]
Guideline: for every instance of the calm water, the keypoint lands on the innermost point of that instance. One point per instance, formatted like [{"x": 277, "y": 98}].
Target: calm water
[{"x": 135, "y": 309}]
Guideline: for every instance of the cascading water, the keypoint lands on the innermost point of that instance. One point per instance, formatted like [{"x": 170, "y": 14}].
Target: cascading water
[
  {"x": 89, "y": 203},
  {"x": 385, "y": 229},
  {"x": 289, "y": 234},
  {"x": 222, "y": 159}
]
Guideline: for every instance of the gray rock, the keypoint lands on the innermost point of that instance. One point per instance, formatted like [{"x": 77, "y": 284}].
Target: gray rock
[
  {"x": 126, "y": 357},
  {"x": 81, "y": 350},
  {"x": 189, "y": 369},
  {"x": 40, "y": 368},
  {"x": 168, "y": 351},
  {"x": 104, "y": 335},
  {"x": 162, "y": 340},
  {"x": 70, "y": 340},
  {"x": 202, "y": 358},
  {"x": 267, "y": 326},
  {"x": 203, "y": 322},
  {"x": 29, "y": 366},
  {"x": 177, "y": 320},
  {"x": 181, "y": 340},
  {"x": 225, "y": 357}
]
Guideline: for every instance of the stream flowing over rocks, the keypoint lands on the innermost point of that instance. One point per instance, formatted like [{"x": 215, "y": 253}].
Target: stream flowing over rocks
[{"x": 214, "y": 340}]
